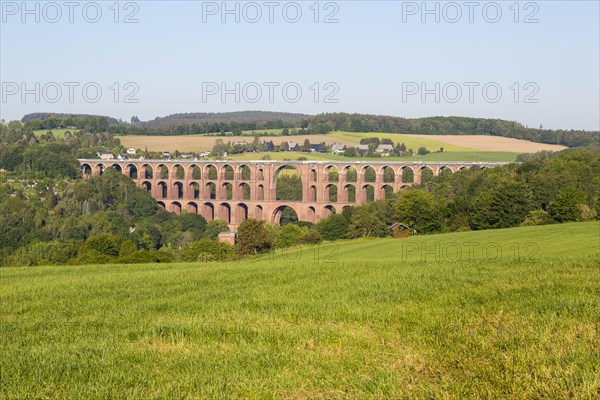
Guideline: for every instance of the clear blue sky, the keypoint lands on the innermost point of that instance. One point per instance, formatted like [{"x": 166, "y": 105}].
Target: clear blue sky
[{"x": 370, "y": 54}]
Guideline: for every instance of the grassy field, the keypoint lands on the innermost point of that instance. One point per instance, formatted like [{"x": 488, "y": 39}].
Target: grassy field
[
  {"x": 363, "y": 322},
  {"x": 471, "y": 148},
  {"x": 411, "y": 142}
]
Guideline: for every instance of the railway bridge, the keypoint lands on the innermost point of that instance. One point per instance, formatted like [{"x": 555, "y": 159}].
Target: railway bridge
[{"x": 235, "y": 190}]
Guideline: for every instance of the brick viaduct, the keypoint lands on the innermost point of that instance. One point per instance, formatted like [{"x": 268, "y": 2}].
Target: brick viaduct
[{"x": 235, "y": 190}]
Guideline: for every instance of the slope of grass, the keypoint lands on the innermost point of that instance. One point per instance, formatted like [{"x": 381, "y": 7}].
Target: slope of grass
[
  {"x": 361, "y": 327},
  {"x": 529, "y": 243}
]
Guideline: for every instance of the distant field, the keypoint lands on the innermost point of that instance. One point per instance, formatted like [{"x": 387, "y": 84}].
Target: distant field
[
  {"x": 456, "y": 148},
  {"x": 369, "y": 319},
  {"x": 492, "y": 143},
  {"x": 432, "y": 143}
]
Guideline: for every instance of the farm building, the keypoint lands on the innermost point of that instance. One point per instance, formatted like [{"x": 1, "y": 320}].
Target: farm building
[{"x": 399, "y": 230}]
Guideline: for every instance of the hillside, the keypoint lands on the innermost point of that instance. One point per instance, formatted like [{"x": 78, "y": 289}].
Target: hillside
[
  {"x": 363, "y": 324},
  {"x": 238, "y": 122},
  {"x": 240, "y": 116}
]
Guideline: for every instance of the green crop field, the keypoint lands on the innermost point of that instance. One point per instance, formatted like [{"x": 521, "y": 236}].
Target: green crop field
[
  {"x": 411, "y": 142},
  {"x": 383, "y": 318}
]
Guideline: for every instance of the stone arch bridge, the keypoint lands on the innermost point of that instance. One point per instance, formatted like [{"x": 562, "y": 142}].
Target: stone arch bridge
[{"x": 235, "y": 190}]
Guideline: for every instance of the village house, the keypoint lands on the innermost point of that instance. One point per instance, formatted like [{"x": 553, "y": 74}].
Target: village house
[
  {"x": 318, "y": 148},
  {"x": 292, "y": 146},
  {"x": 363, "y": 148},
  {"x": 399, "y": 230},
  {"x": 338, "y": 148},
  {"x": 269, "y": 146},
  {"x": 385, "y": 149},
  {"x": 106, "y": 155}
]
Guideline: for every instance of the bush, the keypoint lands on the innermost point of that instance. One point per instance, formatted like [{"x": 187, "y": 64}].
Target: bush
[
  {"x": 538, "y": 217},
  {"x": 91, "y": 256},
  {"x": 289, "y": 235},
  {"x": 254, "y": 237},
  {"x": 312, "y": 236},
  {"x": 207, "y": 250},
  {"x": 335, "y": 227},
  {"x": 146, "y": 257},
  {"x": 104, "y": 243}
]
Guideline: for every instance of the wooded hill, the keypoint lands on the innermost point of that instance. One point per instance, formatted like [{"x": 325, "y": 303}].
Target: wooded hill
[{"x": 236, "y": 122}]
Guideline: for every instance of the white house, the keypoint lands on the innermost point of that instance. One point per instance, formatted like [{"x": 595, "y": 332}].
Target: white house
[
  {"x": 106, "y": 155},
  {"x": 384, "y": 149},
  {"x": 131, "y": 151},
  {"x": 338, "y": 148}
]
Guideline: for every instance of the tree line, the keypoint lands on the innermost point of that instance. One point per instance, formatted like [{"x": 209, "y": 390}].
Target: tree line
[{"x": 235, "y": 123}]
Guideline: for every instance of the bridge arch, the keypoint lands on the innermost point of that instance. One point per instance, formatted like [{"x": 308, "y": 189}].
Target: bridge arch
[
  {"x": 211, "y": 190},
  {"x": 245, "y": 172},
  {"x": 241, "y": 213},
  {"x": 227, "y": 172},
  {"x": 176, "y": 207},
  {"x": 368, "y": 173},
  {"x": 210, "y": 172},
  {"x": 86, "y": 170},
  {"x": 178, "y": 190},
  {"x": 100, "y": 168},
  {"x": 208, "y": 211},
  {"x": 194, "y": 188},
  {"x": 350, "y": 193},
  {"x": 148, "y": 171},
  {"x": 132, "y": 171},
  {"x": 192, "y": 207},
  {"x": 162, "y": 172},
  {"x": 278, "y": 211},
  {"x": 177, "y": 172},
  {"x": 163, "y": 189},
  {"x": 194, "y": 172},
  {"x": 225, "y": 212},
  {"x": 245, "y": 191}
]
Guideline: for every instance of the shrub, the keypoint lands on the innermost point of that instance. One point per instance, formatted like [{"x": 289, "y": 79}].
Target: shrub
[
  {"x": 289, "y": 235},
  {"x": 146, "y": 257},
  {"x": 207, "y": 250},
  {"x": 104, "y": 243},
  {"x": 537, "y": 217},
  {"x": 91, "y": 256},
  {"x": 334, "y": 227},
  {"x": 312, "y": 236},
  {"x": 254, "y": 237}
]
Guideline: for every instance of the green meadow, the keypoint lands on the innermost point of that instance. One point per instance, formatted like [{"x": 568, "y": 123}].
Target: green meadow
[
  {"x": 58, "y": 133},
  {"x": 381, "y": 318},
  {"x": 411, "y": 142}
]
